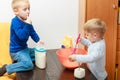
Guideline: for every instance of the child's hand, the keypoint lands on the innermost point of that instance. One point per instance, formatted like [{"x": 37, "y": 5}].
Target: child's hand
[
  {"x": 72, "y": 57},
  {"x": 28, "y": 20},
  {"x": 41, "y": 42}
]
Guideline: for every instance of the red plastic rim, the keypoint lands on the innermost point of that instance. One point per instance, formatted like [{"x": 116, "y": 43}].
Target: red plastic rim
[{"x": 63, "y": 54}]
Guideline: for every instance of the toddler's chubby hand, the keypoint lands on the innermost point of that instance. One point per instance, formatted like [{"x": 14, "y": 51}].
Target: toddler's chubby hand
[
  {"x": 72, "y": 57},
  {"x": 28, "y": 20}
]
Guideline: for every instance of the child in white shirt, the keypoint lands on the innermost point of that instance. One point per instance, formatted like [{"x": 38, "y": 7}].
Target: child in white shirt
[{"x": 96, "y": 54}]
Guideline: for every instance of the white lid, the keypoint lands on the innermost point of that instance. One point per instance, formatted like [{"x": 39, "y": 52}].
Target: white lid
[{"x": 40, "y": 49}]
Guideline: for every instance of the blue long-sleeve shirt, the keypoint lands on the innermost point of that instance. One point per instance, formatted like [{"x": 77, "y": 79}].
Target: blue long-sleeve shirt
[{"x": 20, "y": 33}]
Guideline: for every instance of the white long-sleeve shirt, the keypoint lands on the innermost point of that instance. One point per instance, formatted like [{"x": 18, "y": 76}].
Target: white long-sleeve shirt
[{"x": 95, "y": 58}]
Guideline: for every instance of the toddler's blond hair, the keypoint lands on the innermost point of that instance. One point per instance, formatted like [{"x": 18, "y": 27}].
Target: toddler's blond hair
[{"x": 95, "y": 25}]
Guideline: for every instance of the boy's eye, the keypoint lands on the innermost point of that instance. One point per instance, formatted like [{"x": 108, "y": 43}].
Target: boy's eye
[
  {"x": 85, "y": 35},
  {"x": 25, "y": 9}
]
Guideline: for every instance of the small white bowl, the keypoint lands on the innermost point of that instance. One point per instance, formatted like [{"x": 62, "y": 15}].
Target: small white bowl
[{"x": 79, "y": 73}]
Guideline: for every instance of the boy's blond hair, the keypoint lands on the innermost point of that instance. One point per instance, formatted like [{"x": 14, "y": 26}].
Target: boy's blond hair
[
  {"x": 95, "y": 25},
  {"x": 15, "y": 3}
]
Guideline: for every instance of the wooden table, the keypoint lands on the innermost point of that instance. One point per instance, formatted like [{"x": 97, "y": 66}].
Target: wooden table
[{"x": 53, "y": 71}]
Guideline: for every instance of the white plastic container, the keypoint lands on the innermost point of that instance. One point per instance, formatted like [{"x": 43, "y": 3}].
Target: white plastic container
[
  {"x": 79, "y": 73},
  {"x": 40, "y": 57}
]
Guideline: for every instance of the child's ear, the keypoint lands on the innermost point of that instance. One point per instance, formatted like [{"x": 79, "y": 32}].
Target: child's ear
[{"x": 15, "y": 11}]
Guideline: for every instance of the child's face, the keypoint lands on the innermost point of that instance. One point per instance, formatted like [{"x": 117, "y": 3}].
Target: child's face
[
  {"x": 92, "y": 36},
  {"x": 23, "y": 10}
]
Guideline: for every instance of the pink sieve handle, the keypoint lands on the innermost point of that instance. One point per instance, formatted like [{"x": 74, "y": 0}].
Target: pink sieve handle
[
  {"x": 74, "y": 50},
  {"x": 77, "y": 40}
]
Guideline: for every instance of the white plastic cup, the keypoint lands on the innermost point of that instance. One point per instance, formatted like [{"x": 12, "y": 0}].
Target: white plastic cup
[
  {"x": 79, "y": 73},
  {"x": 40, "y": 57}
]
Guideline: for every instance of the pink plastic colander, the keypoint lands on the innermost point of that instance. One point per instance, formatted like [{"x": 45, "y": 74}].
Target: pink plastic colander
[{"x": 63, "y": 55}]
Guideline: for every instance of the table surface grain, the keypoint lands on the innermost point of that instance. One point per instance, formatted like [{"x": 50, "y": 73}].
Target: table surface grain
[{"x": 53, "y": 71}]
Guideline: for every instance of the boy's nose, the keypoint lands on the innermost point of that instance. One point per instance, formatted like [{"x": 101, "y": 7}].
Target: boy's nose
[{"x": 28, "y": 11}]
